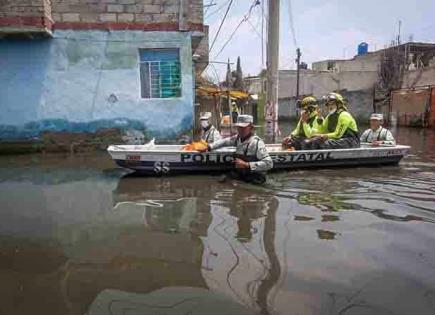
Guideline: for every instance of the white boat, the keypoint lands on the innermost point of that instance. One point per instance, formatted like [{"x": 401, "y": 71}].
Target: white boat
[{"x": 164, "y": 159}]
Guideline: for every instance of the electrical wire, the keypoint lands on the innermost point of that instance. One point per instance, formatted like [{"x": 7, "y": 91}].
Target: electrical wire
[
  {"x": 292, "y": 27},
  {"x": 245, "y": 18},
  {"x": 217, "y": 10},
  {"x": 254, "y": 29},
  {"x": 208, "y": 6},
  {"x": 220, "y": 26}
]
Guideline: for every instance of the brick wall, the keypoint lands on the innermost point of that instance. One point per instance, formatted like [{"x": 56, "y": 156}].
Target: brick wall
[
  {"x": 126, "y": 14},
  {"x": 105, "y": 14},
  {"x": 25, "y": 14},
  {"x": 114, "y": 11},
  {"x": 195, "y": 14}
]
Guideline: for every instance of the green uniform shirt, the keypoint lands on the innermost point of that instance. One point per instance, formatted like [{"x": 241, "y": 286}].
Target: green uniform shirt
[
  {"x": 336, "y": 127},
  {"x": 308, "y": 129}
]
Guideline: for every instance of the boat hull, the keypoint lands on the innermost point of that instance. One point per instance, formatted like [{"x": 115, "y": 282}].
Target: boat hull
[{"x": 170, "y": 159}]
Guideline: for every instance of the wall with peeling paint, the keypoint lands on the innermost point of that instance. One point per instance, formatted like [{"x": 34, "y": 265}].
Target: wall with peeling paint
[{"x": 82, "y": 81}]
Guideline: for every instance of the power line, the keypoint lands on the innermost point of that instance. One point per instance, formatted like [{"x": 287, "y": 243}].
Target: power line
[
  {"x": 215, "y": 73},
  {"x": 254, "y": 29},
  {"x": 217, "y": 10},
  {"x": 220, "y": 26},
  {"x": 208, "y": 6},
  {"x": 245, "y": 18},
  {"x": 292, "y": 27}
]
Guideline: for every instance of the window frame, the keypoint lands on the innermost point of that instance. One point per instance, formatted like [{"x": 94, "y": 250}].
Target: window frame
[{"x": 142, "y": 82}]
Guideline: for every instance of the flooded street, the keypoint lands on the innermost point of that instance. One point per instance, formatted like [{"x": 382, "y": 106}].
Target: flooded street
[{"x": 80, "y": 236}]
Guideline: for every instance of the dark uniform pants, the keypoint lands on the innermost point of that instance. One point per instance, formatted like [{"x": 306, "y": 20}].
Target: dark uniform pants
[
  {"x": 343, "y": 143},
  {"x": 248, "y": 176},
  {"x": 298, "y": 142}
]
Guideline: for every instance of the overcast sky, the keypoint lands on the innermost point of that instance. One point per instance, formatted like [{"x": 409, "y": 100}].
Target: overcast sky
[{"x": 324, "y": 29}]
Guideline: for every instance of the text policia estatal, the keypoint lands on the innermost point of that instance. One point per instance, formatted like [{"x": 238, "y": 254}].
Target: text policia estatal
[{"x": 279, "y": 158}]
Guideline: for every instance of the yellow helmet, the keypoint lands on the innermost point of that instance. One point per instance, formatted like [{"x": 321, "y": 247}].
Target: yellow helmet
[{"x": 309, "y": 101}]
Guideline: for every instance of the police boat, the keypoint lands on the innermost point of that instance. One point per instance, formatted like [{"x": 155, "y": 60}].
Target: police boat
[{"x": 168, "y": 159}]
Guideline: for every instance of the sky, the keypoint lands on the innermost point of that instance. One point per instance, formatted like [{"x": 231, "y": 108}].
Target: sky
[{"x": 324, "y": 29}]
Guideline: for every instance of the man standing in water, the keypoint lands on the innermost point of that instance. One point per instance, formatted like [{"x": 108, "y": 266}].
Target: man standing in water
[
  {"x": 377, "y": 135},
  {"x": 251, "y": 159}
]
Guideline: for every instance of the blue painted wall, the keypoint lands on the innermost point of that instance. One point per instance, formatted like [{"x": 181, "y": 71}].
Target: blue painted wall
[{"x": 86, "y": 80}]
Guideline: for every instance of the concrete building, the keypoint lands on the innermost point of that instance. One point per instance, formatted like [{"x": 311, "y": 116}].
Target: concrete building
[
  {"x": 357, "y": 79},
  {"x": 82, "y": 66}
]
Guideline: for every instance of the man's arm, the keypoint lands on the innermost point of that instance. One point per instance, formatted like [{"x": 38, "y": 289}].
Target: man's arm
[
  {"x": 365, "y": 136},
  {"x": 264, "y": 162},
  {"x": 227, "y": 142},
  {"x": 389, "y": 139},
  {"x": 216, "y": 136},
  {"x": 295, "y": 132},
  {"x": 310, "y": 131},
  {"x": 343, "y": 123}
]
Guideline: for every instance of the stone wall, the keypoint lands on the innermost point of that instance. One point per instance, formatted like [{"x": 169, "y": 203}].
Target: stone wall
[
  {"x": 367, "y": 62},
  {"x": 360, "y": 105},
  {"x": 319, "y": 83},
  {"x": 419, "y": 77},
  {"x": 356, "y": 86}
]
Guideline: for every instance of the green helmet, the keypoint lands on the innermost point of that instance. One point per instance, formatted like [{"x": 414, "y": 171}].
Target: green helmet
[{"x": 309, "y": 102}]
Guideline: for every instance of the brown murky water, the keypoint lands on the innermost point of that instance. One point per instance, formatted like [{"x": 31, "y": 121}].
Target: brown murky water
[{"x": 77, "y": 236}]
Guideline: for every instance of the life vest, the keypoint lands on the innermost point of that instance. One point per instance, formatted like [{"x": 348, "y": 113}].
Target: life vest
[
  {"x": 208, "y": 132},
  {"x": 250, "y": 155},
  {"x": 379, "y": 134}
]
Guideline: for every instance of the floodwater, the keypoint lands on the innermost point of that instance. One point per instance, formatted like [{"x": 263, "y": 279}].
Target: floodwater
[{"x": 78, "y": 236}]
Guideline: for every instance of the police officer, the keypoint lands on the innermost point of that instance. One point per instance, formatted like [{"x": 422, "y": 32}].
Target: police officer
[
  {"x": 377, "y": 135},
  {"x": 307, "y": 125},
  {"x": 251, "y": 159},
  {"x": 208, "y": 132},
  {"x": 339, "y": 129}
]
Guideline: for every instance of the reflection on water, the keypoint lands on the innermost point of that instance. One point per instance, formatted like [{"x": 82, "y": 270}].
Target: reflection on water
[
  {"x": 326, "y": 235},
  {"x": 80, "y": 237}
]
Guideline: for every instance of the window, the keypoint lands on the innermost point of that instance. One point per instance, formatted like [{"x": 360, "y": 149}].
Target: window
[
  {"x": 331, "y": 65},
  {"x": 160, "y": 73}
]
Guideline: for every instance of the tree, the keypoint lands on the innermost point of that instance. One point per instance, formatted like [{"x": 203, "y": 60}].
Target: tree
[
  {"x": 228, "y": 77},
  {"x": 238, "y": 82}
]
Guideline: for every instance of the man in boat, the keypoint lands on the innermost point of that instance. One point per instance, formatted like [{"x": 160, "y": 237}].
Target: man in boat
[
  {"x": 234, "y": 111},
  {"x": 251, "y": 159},
  {"x": 307, "y": 126},
  {"x": 208, "y": 132},
  {"x": 377, "y": 135},
  {"x": 339, "y": 129}
]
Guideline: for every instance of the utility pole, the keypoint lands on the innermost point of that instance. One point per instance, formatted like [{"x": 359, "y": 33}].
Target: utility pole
[
  {"x": 229, "y": 96},
  {"x": 272, "y": 69},
  {"x": 298, "y": 64}
]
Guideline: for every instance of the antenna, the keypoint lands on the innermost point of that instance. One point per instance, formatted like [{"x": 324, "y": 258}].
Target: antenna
[{"x": 398, "y": 35}]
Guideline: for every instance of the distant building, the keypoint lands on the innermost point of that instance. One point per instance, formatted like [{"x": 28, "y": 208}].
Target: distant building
[
  {"x": 357, "y": 79},
  {"x": 82, "y": 65}
]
